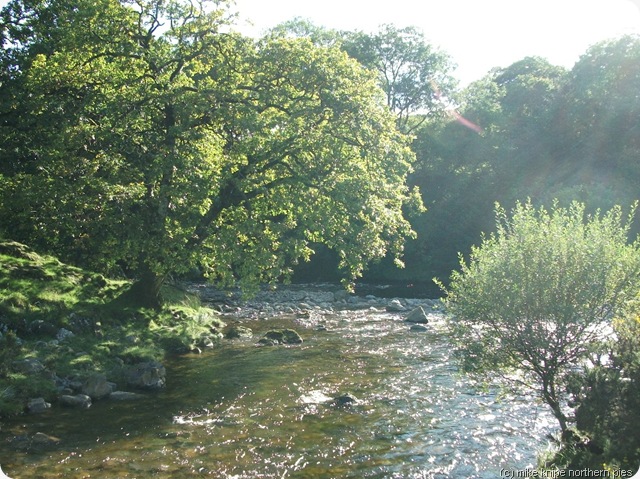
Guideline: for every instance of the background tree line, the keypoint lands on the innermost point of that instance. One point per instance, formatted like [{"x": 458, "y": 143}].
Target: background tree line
[
  {"x": 546, "y": 133},
  {"x": 529, "y": 130}
]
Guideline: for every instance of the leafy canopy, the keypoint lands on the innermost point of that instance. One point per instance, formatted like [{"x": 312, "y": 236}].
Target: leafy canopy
[{"x": 154, "y": 140}]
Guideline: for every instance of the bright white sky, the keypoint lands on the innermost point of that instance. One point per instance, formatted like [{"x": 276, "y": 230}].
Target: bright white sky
[{"x": 477, "y": 34}]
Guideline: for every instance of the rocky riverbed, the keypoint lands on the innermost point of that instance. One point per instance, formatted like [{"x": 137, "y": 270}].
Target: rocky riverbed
[
  {"x": 309, "y": 304},
  {"x": 311, "y": 300},
  {"x": 344, "y": 387}
]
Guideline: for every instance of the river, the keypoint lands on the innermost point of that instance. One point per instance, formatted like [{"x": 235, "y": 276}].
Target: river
[{"x": 247, "y": 411}]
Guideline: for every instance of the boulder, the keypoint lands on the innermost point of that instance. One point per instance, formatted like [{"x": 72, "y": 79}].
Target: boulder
[
  {"x": 418, "y": 328},
  {"x": 73, "y": 384},
  {"x": 418, "y": 315},
  {"x": 341, "y": 295},
  {"x": 280, "y": 336},
  {"x": 238, "y": 332},
  {"x": 37, "y": 405},
  {"x": 28, "y": 366},
  {"x": 41, "y": 441},
  {"x": 147, "y": 375},
  {"x": 97, "y": 387},
  {"x": 81, "y": 401},
  {"x": 63, "y": 334},
  {"x": 395, "y": 306},
  {"x": 345, "y": 400},
  {"x": 43, "y": 328},
  {"x": 124, "y": 396}
]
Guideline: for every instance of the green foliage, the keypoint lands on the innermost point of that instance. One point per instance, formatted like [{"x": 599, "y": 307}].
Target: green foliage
[
  {"x": 600, "y": 107},
  {"x": 302, "y": 28},
  {"x": 188, "y": 326},
  {"x": 545, "y": 133},
  {"x": 37, "y": 287},
  {"x": 157, "y": 143},
  {"x": 414, "y": 76},
  {"x": 537, "y": 295},
  {"x": 607, "y": 400},
  {"x": 8, "y": 405}
]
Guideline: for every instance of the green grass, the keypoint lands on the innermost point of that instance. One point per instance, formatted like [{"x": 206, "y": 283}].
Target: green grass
[
  {"x": 39, "y": 295},
  {"x": 34, "y": 286}
]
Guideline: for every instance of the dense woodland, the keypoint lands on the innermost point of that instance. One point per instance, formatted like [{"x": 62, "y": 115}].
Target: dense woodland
[
  {"x": 545, "y": 133},
  {"x": 145, "y": 139}
]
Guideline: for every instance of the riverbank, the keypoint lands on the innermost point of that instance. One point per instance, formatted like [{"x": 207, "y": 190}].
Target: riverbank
[
  {"x": 64, "y": 332},
  {"x": 316, "y": 299},
  {"x": 66, "y": 339}
]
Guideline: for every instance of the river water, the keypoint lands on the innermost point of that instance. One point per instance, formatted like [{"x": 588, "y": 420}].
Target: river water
[{"x": 247, "y": 411}]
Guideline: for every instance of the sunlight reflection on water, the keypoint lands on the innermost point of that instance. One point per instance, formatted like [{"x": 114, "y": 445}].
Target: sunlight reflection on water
[{"x": 243, "y": 411}]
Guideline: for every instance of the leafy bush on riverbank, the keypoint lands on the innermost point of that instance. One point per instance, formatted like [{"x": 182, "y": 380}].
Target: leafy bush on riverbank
[
  {"x": 607, "y": 400},
  {"x": 74, "y": 323},
  {"x": 538, "y": 298}
]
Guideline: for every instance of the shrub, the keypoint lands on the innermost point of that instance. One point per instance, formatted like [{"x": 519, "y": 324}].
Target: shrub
[{"x": 537, "y": 296}]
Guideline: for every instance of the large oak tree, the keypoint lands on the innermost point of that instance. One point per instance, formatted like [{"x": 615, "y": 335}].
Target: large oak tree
[{"x": 144, "y": 134}]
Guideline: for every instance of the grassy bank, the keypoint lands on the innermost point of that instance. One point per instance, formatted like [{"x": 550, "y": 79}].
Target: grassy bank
[{"x": 73, "y": 323}]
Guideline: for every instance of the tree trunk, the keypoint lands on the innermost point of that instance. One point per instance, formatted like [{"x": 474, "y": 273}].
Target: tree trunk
[
  {"x": 550, "y": 397},
  {"x": 145, "y": 291}
]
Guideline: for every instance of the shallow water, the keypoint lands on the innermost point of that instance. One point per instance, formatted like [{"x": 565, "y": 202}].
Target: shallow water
[{"x": 242, "y": 411}]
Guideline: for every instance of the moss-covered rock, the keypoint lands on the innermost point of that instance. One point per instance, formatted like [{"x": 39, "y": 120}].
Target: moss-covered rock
[{"x": 280, "y": 336}]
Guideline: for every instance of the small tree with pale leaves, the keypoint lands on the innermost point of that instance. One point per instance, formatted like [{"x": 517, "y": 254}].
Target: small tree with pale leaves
[{"x": 537, "y": 296}]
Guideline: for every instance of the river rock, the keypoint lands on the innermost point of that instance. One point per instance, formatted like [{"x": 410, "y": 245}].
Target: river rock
[
  {"x": 81, "y": 401},
  {"x": 345, "y": 400},
  {"x": 418, "y": 315},
  {"x": 210, "y": 340},
  {"x": 41, "y": 441},
  {"x": 147, "y": 375},
  {"x": 42, "y": 328},
  {"x": 418, "y": 328},
  {"x": 124, "y": 396},
  {"x": 239, "y": 332},
  {"x": 341, "y": 295},
  {"x": 395, "y": 306},
  {"x": 97, "y": 387},
  {"x": 37, "y": 443},
  {"x": 280, "y": 336},
  {"x": 28, "y": 366},
  {"x": 37, "y": 406}
]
